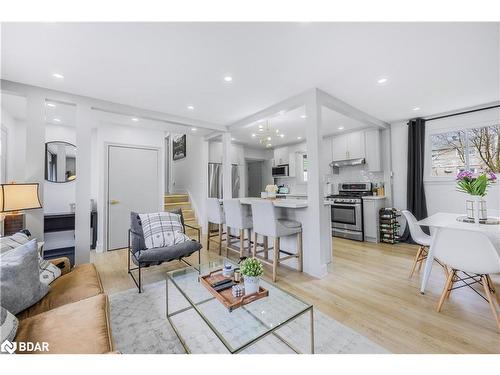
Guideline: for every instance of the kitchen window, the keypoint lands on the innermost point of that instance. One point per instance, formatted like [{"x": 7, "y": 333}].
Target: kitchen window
[{"x": 475, "y": 149}]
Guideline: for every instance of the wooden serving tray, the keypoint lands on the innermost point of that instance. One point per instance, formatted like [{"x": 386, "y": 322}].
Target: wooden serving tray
[{"x": 226, "y": 296}]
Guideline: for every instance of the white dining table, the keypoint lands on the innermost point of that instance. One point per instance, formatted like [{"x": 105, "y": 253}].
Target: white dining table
[{"x": 449, "y": 220}]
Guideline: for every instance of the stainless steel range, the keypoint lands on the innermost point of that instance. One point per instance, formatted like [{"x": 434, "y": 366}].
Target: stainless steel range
[{"x": 347, "y": 210}]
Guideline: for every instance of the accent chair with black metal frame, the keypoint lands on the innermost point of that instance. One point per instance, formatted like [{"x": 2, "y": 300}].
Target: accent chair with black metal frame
[{"x": 143, "y": 257}]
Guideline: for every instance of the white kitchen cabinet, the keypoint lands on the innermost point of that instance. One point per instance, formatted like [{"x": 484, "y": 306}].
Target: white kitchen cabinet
[
  {"x": 349, "y": 146},
  {"x": 340, "y": 147},
  {"x": 281, "y": 156},
  {"x": 356, "y": 145},
  {"x": 373, "y": 150},
  {"x": 371, "y": 208}
]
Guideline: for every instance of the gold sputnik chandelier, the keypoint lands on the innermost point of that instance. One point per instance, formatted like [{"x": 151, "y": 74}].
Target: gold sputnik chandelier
[{"x": 266, "y": 134}]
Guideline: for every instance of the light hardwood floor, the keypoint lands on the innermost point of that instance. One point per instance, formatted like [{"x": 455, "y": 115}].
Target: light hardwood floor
[{"x": 367, "y": 289}]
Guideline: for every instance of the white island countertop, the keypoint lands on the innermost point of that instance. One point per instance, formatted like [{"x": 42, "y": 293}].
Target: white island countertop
[{"x": 284, "y": 203}]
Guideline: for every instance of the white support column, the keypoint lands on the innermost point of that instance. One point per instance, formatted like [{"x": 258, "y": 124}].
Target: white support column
[
  {"x": 227, "y": 189},
  {"x": 35, "y": 157},
  {"x": 84, "y": 125},
  {"x": 203, "y": 206},
  {"x": 318, "y": 223}
]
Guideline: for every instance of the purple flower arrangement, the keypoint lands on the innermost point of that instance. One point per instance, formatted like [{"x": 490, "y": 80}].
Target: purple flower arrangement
[{"x": 475, "y": 184}]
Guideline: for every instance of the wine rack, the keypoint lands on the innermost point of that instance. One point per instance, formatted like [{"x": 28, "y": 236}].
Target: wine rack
[{"x": 389, "y": 225}]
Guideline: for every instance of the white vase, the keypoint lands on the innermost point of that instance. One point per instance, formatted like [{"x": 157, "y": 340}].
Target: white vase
[
  {"x": 476, "y": 208},
  {"x": 251, "y": 284}
]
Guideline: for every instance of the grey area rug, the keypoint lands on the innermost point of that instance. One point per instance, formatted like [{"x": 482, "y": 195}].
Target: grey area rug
[{"x": 139, "y": 325}]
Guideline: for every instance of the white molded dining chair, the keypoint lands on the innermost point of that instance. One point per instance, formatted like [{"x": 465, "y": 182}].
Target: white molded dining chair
[
  {"x": 473, "y": 254},
  {"x": 422, "y": 239}
]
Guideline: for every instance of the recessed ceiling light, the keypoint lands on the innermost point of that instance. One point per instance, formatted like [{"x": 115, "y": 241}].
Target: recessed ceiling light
[
  {"x": 261, "y": 126},
  {"x": 228, "y": 78},
  {"x": 299, "y": 137},
  {"x": 303, "y": 116},
  {"x": 253, "y": 134},
  {"x": 233, "y": 139},
  {"x": 135, "y": 119},
  {"x": 193, "y": 129},
  {"x": 341, "y": 128},
  {"x": 261, "y": 130},
  {"x": 57, "y": 120},
  {"x": 52, "y": 105},
  {"x": 277, "y": 131},
  {"x": 268, "y": 138},
  {"x": 416, "y": 108},
  {"x": 190, "y": 107},
  {"x": 381, "y": 81},
  {"x": 57, "y": 75},
  {"x": 282, "y": 135}
]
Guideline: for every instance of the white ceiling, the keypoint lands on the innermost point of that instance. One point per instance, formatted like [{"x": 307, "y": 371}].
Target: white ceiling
[
  {"x": 291, "y": 124},
  {"x": 63, "y": 114},
  {"x": 168, "y": 66}
]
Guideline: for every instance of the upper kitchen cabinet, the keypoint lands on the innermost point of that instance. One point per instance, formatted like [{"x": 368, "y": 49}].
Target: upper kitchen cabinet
[
  {"x": 373, "y": 150},
  {"x": 281, "y": 156},
  {"x": 349, "y": 146},
  {"x": 356, "y": 145}
]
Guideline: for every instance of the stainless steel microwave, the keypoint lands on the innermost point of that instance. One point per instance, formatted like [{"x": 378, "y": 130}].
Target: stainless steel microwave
[{"x": 280, "y": 170}]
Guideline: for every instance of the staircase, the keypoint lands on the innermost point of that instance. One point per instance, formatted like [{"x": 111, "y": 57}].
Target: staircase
[{"x": 174, "y": 201}]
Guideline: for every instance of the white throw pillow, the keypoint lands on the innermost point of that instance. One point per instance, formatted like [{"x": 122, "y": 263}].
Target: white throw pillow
[
  {"x": 162, "y": 229},
  {"x": 8, "y": 325}
]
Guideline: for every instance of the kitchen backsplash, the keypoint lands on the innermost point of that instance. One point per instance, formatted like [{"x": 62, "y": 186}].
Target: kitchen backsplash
[
  {"x": 295, "y": 188},
  {"x": 357, "y": 173}
]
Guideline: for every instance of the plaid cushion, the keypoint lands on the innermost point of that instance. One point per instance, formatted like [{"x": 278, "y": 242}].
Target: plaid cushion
[
  {"x": 48, "y": 271},
  {"x": 162, "y": 229},
  {"x": 11, "y": 242}
]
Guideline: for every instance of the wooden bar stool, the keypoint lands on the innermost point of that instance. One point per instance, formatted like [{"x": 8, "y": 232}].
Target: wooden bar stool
[
  {"x": 215, "y": 215},
  {"x": 267, "y": 224},
  {"x": 238, "y": 217}
]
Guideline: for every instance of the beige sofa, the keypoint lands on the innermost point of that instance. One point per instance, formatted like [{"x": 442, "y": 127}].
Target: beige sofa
[{"x": 73, "y": 317}]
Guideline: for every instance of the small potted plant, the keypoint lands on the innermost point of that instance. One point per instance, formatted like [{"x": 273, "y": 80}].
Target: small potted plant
[
  {"x": 476, "y": 185},
  {"x": 252, "y": 270}
]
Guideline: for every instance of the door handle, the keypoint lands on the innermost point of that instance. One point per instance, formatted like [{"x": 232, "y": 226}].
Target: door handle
[{"x": 114, "y": 202}]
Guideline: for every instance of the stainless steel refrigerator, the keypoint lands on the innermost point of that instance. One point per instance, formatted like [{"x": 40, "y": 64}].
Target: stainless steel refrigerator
[{"x": 215, "y": 180}]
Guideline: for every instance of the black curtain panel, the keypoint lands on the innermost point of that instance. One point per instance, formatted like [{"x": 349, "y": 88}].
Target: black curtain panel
[{"x": 415, "y": 199}]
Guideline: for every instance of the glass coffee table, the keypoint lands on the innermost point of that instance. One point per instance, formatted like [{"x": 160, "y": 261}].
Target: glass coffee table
[{"x": 244, "y": 326}]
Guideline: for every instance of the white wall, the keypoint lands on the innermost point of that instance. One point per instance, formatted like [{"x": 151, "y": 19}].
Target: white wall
[
  {"x": 189, "y": 175},
  {"x": 441, "y": 193},
  {"x": 16, "y": 147},
  {"x": 57, "y": 197}
]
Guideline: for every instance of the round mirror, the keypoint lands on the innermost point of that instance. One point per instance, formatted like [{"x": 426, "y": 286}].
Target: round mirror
[{"x": 60, "y": 162}]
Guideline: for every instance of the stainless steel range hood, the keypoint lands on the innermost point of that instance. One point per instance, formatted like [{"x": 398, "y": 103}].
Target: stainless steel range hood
[{"x": 348, "y": 162}]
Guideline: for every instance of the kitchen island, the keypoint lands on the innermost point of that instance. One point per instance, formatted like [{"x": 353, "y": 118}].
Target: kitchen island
[{"x": 297, "y": 209}]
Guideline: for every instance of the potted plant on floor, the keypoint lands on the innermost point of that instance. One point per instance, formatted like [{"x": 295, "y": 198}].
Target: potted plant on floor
[
  {"x": 476, "y": 185},
  {"x": 252, "y": 270}
]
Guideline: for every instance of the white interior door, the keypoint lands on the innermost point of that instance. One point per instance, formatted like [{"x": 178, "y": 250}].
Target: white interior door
[{"x": 133, "y": 185}]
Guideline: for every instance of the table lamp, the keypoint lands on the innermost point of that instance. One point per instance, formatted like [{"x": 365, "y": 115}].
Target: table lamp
[{"x": 15, "y": 198}]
